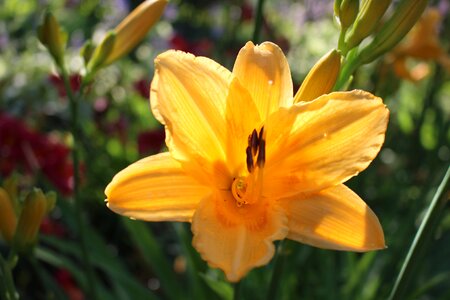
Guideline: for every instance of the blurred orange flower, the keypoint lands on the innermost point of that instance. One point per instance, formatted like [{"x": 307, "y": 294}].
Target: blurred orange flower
[
  {"x": 247, "y": 166},
  {"x": 422, "y": 44}
]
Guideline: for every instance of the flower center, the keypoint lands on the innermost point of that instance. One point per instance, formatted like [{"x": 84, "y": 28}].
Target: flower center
[{"x": 247, "y": 189}]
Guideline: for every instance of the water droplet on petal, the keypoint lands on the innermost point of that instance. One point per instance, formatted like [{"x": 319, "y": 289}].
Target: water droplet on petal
[{"x": 270, "y": 82}]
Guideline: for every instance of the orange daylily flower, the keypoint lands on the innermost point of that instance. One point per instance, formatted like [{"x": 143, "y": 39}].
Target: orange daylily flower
[
  {"x": 247, "y": 166},
  {"x": 422, "y": 44}
]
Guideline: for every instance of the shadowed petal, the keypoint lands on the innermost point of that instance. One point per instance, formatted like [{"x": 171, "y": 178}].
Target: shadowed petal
[
  {"x": 155, "y": 189},
  {"x": 264, "y": 71},
  {"x": 236, "y": 239},
  {"x": 324, "y": 142},
  {"x": 188, "y": 95},
  {"x": 335, "y": 218}
]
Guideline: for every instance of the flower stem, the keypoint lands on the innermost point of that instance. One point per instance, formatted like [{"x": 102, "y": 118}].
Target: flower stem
[
  {"x": 422, "y": 238},
  {"x": 76, "y": 181},
  {"x": 277, "y": 271},
  {"x": 258, "y": 21},
  {"x": 237, "y": 290},
  {"x": 350, "y": 65},
  {"x": 7, "y": 286}
]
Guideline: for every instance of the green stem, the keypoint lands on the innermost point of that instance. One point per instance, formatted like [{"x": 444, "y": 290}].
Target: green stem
[
  {"x": 258, "y": 21},
  {"x": 349, "y": 67},
  {"x": 10, "y": 292},
  {"x": 76, "y": 178},
  {"x": 277, "y": 272},
  {"x": 422, "y": 238},
  {"x": 237, "y": 290}
]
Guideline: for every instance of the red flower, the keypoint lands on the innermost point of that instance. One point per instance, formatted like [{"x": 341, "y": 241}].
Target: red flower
[
  {"x": 21, "y": 147},
  {"x": 150, "y": 142},
  {"x": 75, "y": 82}
]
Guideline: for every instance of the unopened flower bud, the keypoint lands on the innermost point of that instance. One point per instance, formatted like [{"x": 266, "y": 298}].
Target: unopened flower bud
[
  {"x": 403, "y": 19},
  {"x": 366, "y": 21},
  {"x": 10, "y": 185},
  {"x": 87, "y": 51},
  {"x": 348, "y": 10},
  {"x": 34, "y": 210},
  {"x": 134, "y": 27},
  {"x": 321, "y": 79},
  {"x": 101, "y": 52},
  {"x": 8, "y": 220},
  {"x": 53, "y": 37}
]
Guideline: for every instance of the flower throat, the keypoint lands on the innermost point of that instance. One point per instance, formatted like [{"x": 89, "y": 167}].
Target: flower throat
[{"x": 247, "y": 189}]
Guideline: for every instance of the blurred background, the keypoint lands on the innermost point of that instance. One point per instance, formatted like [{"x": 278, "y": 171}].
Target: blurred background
[{"x": 137, "y": 260}]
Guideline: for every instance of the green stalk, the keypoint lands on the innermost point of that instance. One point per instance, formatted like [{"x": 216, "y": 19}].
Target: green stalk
[
  {"x": 258, "y": 21},
  {"x": 351, "y": 63},
  {"x": 277, "y": 272},
  {"x": 422, "y": 238},
  {"x": 6, "y": 277},
  {"x": 76, "y": 178},
  {"x": 237, "y": 290}
]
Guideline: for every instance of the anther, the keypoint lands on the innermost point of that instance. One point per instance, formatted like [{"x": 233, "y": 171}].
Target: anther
[
  {"x": 253, "y": 142},
  {"x": 250, "y": 166}
]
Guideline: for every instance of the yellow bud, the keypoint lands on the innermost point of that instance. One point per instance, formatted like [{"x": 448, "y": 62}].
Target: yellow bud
[
  {"x": 101, "y": 52},
  {"x": 134, "y": 27},
  {"x": 10, "y": 186},
  {"x": 368, "y": 18},
  {"x": 34, "y": 210},
  {"x": 52, "y": 37},
  {"x": 8, "y": 220},
  {"x": 348, "y": 11},
  {"x": 403, "y": 19},
  {"x": 321, "y": 79}
]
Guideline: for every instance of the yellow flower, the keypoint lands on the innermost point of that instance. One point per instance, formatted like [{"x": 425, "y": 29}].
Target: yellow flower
[
  {"x": 247, "y": 166},
  {"x": 422, "y": 44}
]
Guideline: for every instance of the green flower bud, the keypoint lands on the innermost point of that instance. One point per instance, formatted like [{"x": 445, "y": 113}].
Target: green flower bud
[
  {"x": 101, "y": 52},
  {"x": 368, "y": 18},
  {"x": 405, "y": 16},
  {"x": 53, "y": 37}
]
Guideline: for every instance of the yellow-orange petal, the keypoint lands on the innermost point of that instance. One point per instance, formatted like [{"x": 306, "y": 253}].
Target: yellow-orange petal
[
  {"x": 237, "y": 239},
  {"x": 155, "y": 189},
  {"x": 322, "y": 143},
  {"x": 335, "y": 218},
  {"x": 188, "y": 95},
  {"x": 264, "y": 71},
  {"x": 321, "y": 79},
  {"x": 242, "y": 118}
]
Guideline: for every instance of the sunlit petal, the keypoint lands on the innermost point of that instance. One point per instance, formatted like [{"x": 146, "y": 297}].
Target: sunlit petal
[
  {"x": 237, "y": 239},
  {"x": 324, "y": 142},
  {"x": 188, "y": 95},
  {"x": 155, "y": 189},
  {"x": 264, "y": 71},
  {"x": 242, "y": 118},
  {"x": 335, "y": 218}
]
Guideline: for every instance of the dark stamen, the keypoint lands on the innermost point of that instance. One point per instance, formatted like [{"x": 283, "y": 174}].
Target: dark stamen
[
  {"x": 254, "y": 142},
  {"x": 261, "y": 153},
  {"x": 250, "y": 166},
  {"x": 261, "y": 132}
]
